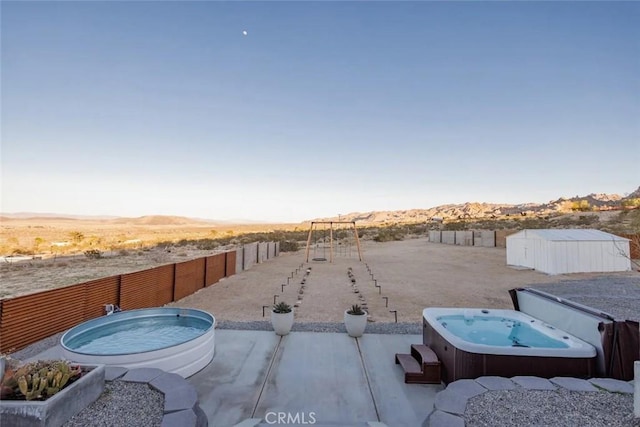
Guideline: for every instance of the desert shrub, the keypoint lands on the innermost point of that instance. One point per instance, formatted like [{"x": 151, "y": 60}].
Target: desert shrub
[
  {"x": 207, "y": 244},
  {"x": 631, "y": 203},
  {"x": 93, "y": 254},
  {"x": 533, "y": 223},
  {"x": 588, "y": 219},
  {"x": 388, "y": 235},
  {"x": 456, "y": 226},
  {"x": 289, "y": 246},
  {"x": 123, "y": 252},
  {"x": 22, "y": 251},
  {"x": 581, "y": 205}
]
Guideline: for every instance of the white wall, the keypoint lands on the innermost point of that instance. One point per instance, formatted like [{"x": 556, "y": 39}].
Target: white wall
[
  {"x": 448, "y": 237},
  {"x": 590, "y": 256},
  {"x": 464, "y": 238},
  {"x": 570, "y": 256}
]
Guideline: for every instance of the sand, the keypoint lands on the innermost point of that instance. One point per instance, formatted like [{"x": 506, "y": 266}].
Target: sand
[{"x": 412, "y": 274}]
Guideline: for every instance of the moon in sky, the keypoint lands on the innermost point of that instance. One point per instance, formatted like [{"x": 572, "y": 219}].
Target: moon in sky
[{"x": 244, "y": 32}]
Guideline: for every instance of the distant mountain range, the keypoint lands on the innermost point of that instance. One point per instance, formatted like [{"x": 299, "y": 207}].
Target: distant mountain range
[{"x": 475, "y": 210}]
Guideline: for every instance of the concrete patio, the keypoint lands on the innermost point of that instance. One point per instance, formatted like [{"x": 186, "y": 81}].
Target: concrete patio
[
  {"x": 334, "y": 379},
  {"x": 308, "y": 378}
]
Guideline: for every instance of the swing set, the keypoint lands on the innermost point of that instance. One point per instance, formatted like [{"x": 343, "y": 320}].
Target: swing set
[{"x": 323, "y": 257}]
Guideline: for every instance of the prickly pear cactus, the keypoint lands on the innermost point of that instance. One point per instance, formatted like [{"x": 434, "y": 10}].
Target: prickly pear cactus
[{"x": 39, "y": 380}]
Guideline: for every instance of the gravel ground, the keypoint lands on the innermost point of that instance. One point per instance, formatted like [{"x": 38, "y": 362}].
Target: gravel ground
[
  {"x": 521, "y": 407},
  {"x": 616, "y": 295},
  {"x": 122, "y": 404}
]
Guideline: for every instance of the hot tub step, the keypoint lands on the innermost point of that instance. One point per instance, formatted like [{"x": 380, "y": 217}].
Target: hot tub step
[
  {"x": 421, "y": 366},
  {"x": 423, "y": 354}
]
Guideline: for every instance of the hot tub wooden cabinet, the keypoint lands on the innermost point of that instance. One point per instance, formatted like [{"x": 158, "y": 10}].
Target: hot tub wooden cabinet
[{"x": 458, "y": 363}]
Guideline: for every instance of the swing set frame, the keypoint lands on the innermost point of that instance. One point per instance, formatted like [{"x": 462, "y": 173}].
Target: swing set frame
[{"x": 314, "y": 224}]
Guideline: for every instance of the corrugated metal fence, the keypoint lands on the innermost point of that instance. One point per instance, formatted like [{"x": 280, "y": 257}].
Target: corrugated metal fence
[{"x": 29, "y": 318}]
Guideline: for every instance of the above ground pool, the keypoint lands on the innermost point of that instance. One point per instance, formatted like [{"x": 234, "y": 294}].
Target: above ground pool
[
  {"x": 476, "y": 342},
  {"x": 176, "y": 340}
]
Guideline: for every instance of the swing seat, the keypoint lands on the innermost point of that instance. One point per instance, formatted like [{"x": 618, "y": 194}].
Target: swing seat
[{"x": 318, "y": 259}]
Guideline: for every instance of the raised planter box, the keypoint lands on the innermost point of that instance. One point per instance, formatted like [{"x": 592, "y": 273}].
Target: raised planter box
[{"x": 58, "y": 409}]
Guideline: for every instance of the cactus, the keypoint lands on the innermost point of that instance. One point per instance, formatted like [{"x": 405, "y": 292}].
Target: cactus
[
  {"x": 356, "y": 310},
  {"x": 282, "y": 307},
  {"x": 40, "y": 380}
]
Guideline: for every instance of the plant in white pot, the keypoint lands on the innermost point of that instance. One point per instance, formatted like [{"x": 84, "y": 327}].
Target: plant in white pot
[
  {"x": 355, "y": 320},
  {"x": 282, "y": 318}
]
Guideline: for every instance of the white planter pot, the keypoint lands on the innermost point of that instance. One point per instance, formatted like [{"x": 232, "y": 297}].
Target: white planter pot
[
  {"x": 355, "y": 324},
  {"x": 282, "y": 322}
]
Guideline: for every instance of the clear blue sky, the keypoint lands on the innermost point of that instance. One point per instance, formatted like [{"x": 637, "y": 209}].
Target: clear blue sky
[{"x": 323, "y": 108}]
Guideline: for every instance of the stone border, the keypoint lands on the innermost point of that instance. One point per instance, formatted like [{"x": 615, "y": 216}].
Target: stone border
[
  {"x": 181, "y": 406},
  {"x": 451, "y": 403}
]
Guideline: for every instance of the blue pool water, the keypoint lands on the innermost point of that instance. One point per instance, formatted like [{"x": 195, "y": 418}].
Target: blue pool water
[
  {"x": 498, "y": 331},
  {"x": 136, "y": 335}
]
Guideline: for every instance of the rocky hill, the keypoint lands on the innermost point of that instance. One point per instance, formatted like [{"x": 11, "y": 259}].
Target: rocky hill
[{"x": 474, "y": 210}]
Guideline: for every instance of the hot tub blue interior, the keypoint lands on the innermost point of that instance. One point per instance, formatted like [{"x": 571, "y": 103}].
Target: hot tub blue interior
[
  {"x": 131, "y": 332},
  {"x": 497, "y": 331}
]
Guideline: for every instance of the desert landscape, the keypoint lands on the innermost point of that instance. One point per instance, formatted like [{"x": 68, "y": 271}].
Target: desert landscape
[{"x": 412, "y": 274}]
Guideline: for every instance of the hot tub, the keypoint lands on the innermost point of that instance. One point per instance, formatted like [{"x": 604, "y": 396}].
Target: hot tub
[
  {"x": 176, "y": 340},
  {"x": 471, "y": 343}
]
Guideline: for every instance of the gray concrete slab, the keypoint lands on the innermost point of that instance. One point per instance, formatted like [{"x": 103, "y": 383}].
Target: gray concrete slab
[
  {"x": 113, "y": 372},
  {"x": 533, "y": 383},
  {"x": 450, "y": 401},
  {"x": 178, "y": 399},
  {"x": 466, "y": 388},
  {"x": 229, "y": 387},
  {"x": 142, "y": 375},
  {"x": 320, "y": 373},
  {"x": 398, "y": 404},
  {"x": 179, "y": 419},
  {"x": 496, "y": 383},
  {"x": 573, "y": 384},
  {"x": 444, "y": 419},
  {"x": 609, "y": 384}
]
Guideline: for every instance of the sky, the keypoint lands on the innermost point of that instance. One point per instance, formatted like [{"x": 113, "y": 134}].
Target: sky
[{"x": 322, "y": 108}]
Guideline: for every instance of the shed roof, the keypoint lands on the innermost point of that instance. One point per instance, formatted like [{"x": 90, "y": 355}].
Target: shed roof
[{"x": 574, "y": 234}]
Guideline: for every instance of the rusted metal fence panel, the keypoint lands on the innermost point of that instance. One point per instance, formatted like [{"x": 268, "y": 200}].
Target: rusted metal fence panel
[
  {"x": 139, "y": 289},
  {"x": 98, "y": 293},
  {"x": 501, "y": 237},
  {"x": 634, "y": 244},
  {"x": 231, "y": 263},
  {"x": 215, "y": 268},
  {"x": 165, "y": 276},
  {"x": 30, "y": 318},
  {"x": 189, "y": 278}
]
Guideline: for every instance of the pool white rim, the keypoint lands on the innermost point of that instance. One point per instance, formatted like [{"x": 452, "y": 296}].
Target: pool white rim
[{"x": 134, "y": 314}]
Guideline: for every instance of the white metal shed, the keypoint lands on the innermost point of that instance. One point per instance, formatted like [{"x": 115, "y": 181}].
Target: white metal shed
[{"x": 568, "y": 251}]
